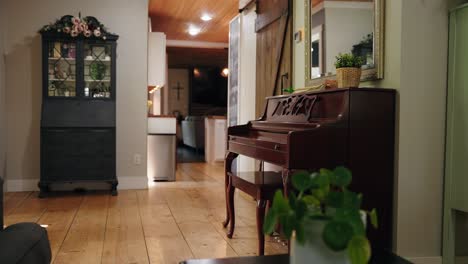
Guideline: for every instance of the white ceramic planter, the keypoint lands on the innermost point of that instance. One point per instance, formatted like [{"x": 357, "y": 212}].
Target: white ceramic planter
[{"x": 315, "y": 250}]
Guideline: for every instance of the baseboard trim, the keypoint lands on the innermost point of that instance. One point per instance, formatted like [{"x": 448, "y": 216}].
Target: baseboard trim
[
  {"x": 132, "y": 182},
  {"x": 125, "y": 183},
  {"x": 23, "y": 185},
  {"x": 426, "y": 260}
]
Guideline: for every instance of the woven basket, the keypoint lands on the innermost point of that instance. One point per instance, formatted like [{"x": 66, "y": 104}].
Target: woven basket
[{"x": 348, "y": 77}]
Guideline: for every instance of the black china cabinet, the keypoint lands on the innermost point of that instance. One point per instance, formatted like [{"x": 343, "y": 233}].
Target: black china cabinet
[{"x": 78, "y": 123}]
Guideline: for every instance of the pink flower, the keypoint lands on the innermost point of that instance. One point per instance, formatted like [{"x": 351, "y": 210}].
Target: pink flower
[
  {"x": 76, "y": 20},
  {"x": 74, "y": 33},
  {"x": 66, "y": 30},
  {"x": 97, "y": 33},
  {"x": 88, "y": 33},
  {"x": 83, "y": 26}
]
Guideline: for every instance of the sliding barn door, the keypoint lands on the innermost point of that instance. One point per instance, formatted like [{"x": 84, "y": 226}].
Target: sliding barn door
[{"x": 274, "y": 49}]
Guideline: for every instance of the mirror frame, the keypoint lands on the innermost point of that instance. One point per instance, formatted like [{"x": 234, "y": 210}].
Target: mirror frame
[{"x": 375, "y": 73}]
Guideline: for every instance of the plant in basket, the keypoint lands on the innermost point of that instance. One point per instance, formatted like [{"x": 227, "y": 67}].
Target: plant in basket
[{"x": 348, "y": 70}]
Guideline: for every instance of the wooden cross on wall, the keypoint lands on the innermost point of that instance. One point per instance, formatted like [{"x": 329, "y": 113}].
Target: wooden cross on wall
[{"x": 178, "y": 88}]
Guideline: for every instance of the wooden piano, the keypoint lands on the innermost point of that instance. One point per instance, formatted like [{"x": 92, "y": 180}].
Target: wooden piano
[{"x": 353, "y": 127}]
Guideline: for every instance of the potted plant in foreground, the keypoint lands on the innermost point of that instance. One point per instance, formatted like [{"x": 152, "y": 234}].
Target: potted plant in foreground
[
  {"x": 348, "y": 70},
  {"x": 323, "y": 219}
]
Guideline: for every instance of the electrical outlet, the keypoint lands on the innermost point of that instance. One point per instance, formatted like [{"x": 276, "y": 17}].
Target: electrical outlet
[{"x": 137, "y": 159}]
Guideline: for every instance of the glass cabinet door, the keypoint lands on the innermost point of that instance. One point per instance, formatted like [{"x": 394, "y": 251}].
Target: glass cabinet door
[
  {"x": 61, "y": 69},
  {"x": 97, "y": 70}
]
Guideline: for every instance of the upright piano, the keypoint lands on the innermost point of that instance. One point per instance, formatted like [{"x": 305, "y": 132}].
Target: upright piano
[{"x": 352, "y": 127}]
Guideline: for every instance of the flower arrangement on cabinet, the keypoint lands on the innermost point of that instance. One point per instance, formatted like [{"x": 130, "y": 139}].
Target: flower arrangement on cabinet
[{"x": 75, "y": 26}]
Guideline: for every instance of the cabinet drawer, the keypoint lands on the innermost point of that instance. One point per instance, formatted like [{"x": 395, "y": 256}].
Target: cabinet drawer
[{"x": 78, "y": 154}]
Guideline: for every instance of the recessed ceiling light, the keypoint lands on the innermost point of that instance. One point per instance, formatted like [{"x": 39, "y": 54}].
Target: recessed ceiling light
[
  {"x": 193, "y": 30},
  {"x": 206, "y": 17}
]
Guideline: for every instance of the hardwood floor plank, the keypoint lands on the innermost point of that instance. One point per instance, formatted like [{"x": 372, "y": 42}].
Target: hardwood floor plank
[
  {"x": 85, "y": 239},
  {"x": 124, "y": 241},
  {"x": 30, "y": 210},
  {"x": 151, "y": 196},
  {"x": 58, "y": 218},
  {"x": 164, "y": 241},
  {"x": 13, "y": 201},
  {"x": 205, "y": 241},
  {"x": 195, "y": 172},
  {"x": 164, "y": 250}
]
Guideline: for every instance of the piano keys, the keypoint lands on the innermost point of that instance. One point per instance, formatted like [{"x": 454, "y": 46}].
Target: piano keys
[{"x": 352, "y": 127}]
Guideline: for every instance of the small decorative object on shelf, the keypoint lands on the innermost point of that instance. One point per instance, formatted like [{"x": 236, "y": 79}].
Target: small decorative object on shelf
[
  {"x": 78, "y": 123},
  {"x": 97, "y": 71},
  {"x": 323, "y": 218},
  {"x": 64, "y": 50},
  {"x": 348, "y": 70},
  {"x": 72, "y": 51}
]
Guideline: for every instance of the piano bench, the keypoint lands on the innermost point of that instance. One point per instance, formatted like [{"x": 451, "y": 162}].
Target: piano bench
[{"x": 261, "y": 186}]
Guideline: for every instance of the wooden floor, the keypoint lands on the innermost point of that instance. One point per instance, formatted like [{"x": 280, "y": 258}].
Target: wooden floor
[{"x": 168, "y": 223}]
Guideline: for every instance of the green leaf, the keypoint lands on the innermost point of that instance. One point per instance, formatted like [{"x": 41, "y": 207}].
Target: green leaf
[
  {"x": 335, "y": 199},
  {"x": 359, "y": 250},
  {"x": 341, "y": 177},
  {"x": 292, "y": 200},
  {"x": 348, "y": 60},
  {"x": 300, "y": 233},
  {"x": 289, "y": 90},
  {"x": 311, "y": 200},
  {"x": 271, "y": 220},
  {"x": 352, "y": 217},
  {"x": 337, "y": 234},
  {"x": 302, "y": 181},
  {"x": 320, "y": 194},
  {"x": 374, "y": 218},
  {"x": 301, "y": 209},
  {"x": 322, "y": 183},
  {"x": 288, "y": 223},
  {"x": 280, "y": 204},
  {"x": 351, "y": 200},
  {"x": 323, "y": 178}
]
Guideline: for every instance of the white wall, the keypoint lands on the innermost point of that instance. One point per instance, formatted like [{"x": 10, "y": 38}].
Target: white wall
[
  {"x": 3, "y": 25},
  {"x": 422, "y": 93},
  {"x": 416, "y": 40},
  {"x": 247, "y": 76},
  {"x": 157, "y": 67},
  {"x": 23, "y": 70}
]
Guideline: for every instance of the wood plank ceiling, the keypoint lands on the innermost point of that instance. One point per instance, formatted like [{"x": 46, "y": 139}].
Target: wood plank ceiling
[{"x": 174, "y": 17}]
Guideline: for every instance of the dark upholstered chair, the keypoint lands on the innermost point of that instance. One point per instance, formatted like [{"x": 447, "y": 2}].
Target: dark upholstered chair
[
  {"x": 193, "y": 132},
  {"x": 262, "y": 186},
  {"x": 23, "y": 243}
]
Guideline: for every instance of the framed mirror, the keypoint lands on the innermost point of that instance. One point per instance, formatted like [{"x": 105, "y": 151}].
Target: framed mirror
[{"x": 343, "y": 26}]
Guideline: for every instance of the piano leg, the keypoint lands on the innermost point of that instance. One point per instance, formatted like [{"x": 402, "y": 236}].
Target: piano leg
[
  {"x": 260, "y": 218},
  {"x": 230, "y": 156},
  {"x": 232, "y": 214}
]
